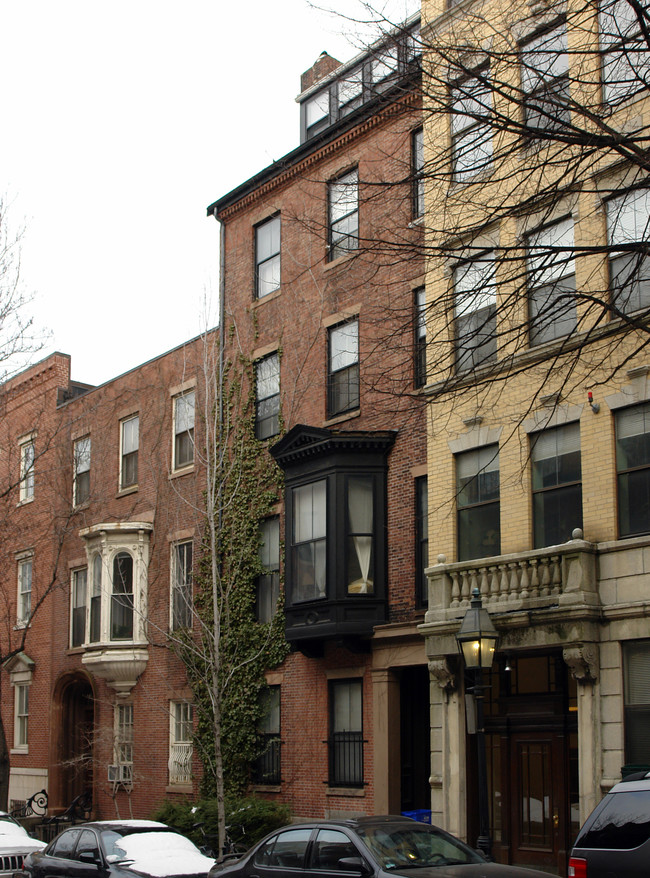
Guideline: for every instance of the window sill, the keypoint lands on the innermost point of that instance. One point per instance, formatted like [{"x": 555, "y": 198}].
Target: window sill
[
  {"x": 340, "y": 260},
  {"x": 19, "y": 751},
  {"x": 417, "y": 222},
  {"x": 123, "y": 492},
  {"x": 20, "y": 625},
  {"x": 183, "y": 471},
  {"x": 265, "y": 788},
  {"x": 25, "y": 502},
  {"x": 346, "y": 416},
  {"x": 347, "y": 792},
  {"x": 268, "y": 298},
  {"x": 182, "y": 788}
]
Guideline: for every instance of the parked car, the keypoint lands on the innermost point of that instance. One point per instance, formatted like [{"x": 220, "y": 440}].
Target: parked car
[
  {"x": 15, "y": 844},
  {"x": 615, "y": 838},
  {"x": 119, "y": 849},
  {"x": 372, "y": 847}
]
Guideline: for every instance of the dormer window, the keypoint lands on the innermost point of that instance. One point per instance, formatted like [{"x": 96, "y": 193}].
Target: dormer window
[
  {"x": 351, "y": 90},
  {"x": 317, "y": 112}
]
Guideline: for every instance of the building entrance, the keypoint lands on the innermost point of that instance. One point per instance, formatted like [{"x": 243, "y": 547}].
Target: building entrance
[
  {"x": 75, "y": 745},
  {"x": 415, "y": 755}
]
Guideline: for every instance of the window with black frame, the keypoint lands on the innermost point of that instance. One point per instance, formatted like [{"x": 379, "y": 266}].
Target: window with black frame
[
  {"x": 343, "y": 194},
  {"x": 545, "y": 80},
  {"x": 477, "y": 491},
  {"x": 79, "y": 599},
  {"x": 417, "y": 171},
  {"x": 633, "y": 470},
  {"x": 346, "y": 733},
  {"x": 421, "y": 538},
  {"x": 551, "y": 282},
  {"x": 557, "y": 484},
  {"x": 267, "y": 397},
  {"x": 475, "y": 312},
  {"x": 343, "y": 368},
  {"x": 636, "y": 665},
  {"x": 267, "y": 767},
  {"x": 628, "y": 228},
  {"x": 309, "y": 542},
  {"x": 420, "y": 339}
]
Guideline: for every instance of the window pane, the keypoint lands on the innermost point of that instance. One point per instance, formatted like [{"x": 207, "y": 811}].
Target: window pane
[
  {"x": 130, "y": 435},
  {"x": 351, "y": 87},
  {"x": 309, "y": 543},
  {"x": 122, "y": 598},
  {"x": 268, "y": 584},
  {"x": 360, "y": 538},
  {"x": 317, "y": 108},
  {"x": 633, "y": 465},
  {"x": 477, "y": 475}
]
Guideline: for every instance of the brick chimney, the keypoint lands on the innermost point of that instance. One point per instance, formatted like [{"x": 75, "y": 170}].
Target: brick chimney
[{"x": 324, "y": 65}]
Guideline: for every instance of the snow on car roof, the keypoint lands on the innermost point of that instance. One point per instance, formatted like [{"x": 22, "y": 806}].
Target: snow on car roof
[{"x": 163, "y": 854}]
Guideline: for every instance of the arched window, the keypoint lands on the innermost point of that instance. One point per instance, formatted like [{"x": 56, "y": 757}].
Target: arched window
[
  {"x": 122, "y": 597},
  {"x": 96, "y": 600}
]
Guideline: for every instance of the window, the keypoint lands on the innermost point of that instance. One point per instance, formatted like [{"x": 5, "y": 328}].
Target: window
[
  {"x": 267, "y": 397},
  {"x": 317, "y": 111},
  {"x": 24, "y": 590},
  {"x": 633, "y": 468},
  {"x": 130, "y": 442},
  {"x": 27, "y": 456},
  {"x": 267, "y": 766},
  {"x": 267, "y": 257},
  {"x": 122, "y": 597},
  {"x": 182, "y": 585},
  {"x": 636, "y": 667},
  {"x": 181, "y": 731},
  {"x": 309, "y": 542},
  {"x": 329, "y": 848},
  {"x": 343, "y": 371},
  {"x": 79, "y": 597},
  {"x": 384, "y": 65},
  {"x": 360, "y": 557},
  {"x": 285, "y": 850},
  {"x": 343, "y": 215},
  {"x": 183, "y": 431},
  {"x": 346, "y": 733},
  {"x": 551, "y": 282},
  {"x": 96, "y": 600},
  {"x": 421, "y": 539},
  {"x": 628, "y": 226},
  {"x": 350, "y": 91},
  {"x": 81, "y": 453},
  {"x": 545, "y": 80},
  {"x": 420, "y": 341},
  {"x": 471, "y": 135},
  {"x": 123, "y": 750},
  {"x": 477, "y": 487},
  {"x": 417, "y": 170},
  {"x": 21, "y": 725},
  {"x": 623, "y": 44},
  {"x": 268, "y": 583},
  {"x": 475, "y": 312},
  {"x": 557, "y": 487}
]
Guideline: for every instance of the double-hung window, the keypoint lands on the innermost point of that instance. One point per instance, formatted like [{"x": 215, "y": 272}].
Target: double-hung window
[
  {"x": 129, "y": 447},
  {"x": 417, "y": 170},
  {"x": 309, "y": 542},
  {"x": 624, "y": 49},
  {"x": 636, "y": 687},
  {"x": 267, "y": 257},
  {"x": 25, "y": 570},
  {"x": 268, "y": 582},
  {"x": 551, "y": 282},
  {"x": 184, "y": 430},
  {"x": 420, "y": 339},
  {"x": 81, "y": 452},
  {"x": 628, "y": 228},
  {"x": 343, "y": 227},
  {"x": 477, "y": 491},
  {"x": 79, "y": 601},
  {"x": 122, "y": 597},
  {"x": 123, "y": 748},
  {"x": 21, "y": 720},
  {"x": 343, "y": 368},
  {"x": 181, "y": 603},
  {"x": 27, "y": 456},
  {"x": 267, "y": 768},
  {"x": 633, "y": 470},
  {"x": 557, "y": 485},
  {"x": 96, "y": 600},
  {"x": 421, "y": 539},
  {"x": 360, "y": 530},
  {"x": 545, "y": 80},
  {"x": 475, "y": 312},
  {"x": 346, "y": 733},
  {"x": 267, "y": 397},
  {"x": 181, "y": 730},
  {"x": 471, "y": 127}
]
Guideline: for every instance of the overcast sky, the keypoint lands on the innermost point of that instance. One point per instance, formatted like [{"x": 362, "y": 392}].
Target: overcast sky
[{"x": 120, "y": 123}]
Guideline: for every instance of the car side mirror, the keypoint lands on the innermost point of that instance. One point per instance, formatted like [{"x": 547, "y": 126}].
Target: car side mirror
[
  {"x": 90, "y": 857},
  {"x": 353, "y": 864}
]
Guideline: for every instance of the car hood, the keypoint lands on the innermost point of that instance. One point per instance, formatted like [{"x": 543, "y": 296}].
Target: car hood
[
  {"x": 469, "y": 870},
  {"x": 19, "y": 843},
  {"x": 162, "y": 855}
]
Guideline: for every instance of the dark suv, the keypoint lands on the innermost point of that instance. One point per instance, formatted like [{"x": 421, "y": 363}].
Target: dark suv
[{"x": 615, "y": 839}]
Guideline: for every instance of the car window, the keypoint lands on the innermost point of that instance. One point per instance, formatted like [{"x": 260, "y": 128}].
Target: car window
[
  {"x": 111, "y": 842},
  {"x": 87, "y": 844},
  {"x": 263, "y": 853},
  {"x": 623, "y": 822},
  {"x": 399, "y": 846},
  {"x": 289, "y": 849},
  {"x": 329, "y": 848},
  {"x": 63, "y": 846}
]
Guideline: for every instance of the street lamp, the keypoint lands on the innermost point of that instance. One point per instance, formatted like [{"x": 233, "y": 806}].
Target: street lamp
[{"x": 477, "y": 641}]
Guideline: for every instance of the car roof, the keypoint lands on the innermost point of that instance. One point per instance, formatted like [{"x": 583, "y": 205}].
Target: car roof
[
  {"x": 126, "y": 827},
  {"x": 358, "y": 822},
  {"x": 637, "y": 782}
]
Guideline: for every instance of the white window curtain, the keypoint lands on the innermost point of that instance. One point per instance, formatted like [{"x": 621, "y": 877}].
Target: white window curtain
[{"x": 360, "y": 510}]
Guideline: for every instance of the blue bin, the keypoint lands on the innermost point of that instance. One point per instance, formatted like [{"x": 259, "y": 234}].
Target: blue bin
[{"x": 420, "y": 814}]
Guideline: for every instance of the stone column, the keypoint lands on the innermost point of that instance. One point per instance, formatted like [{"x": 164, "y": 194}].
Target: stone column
[
  {"x": 583, "y": 663},
  {"x": 386, "y": 741},
  {"x": 448, "y": 780}
]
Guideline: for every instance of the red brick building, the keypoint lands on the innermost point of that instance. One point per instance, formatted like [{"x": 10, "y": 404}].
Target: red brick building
[
  {"x": 329, "y": 316},
  {"x": 99, "y": 525}
]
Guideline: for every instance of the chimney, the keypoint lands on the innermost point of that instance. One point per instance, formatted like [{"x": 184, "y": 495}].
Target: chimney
[{"x": 323, "y": 66}]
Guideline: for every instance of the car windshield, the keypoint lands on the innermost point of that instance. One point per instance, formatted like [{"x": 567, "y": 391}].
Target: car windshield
[{"x": 415, "y": 847}]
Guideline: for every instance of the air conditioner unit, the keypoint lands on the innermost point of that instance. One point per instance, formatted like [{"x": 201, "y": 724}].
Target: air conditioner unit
[
  {"x": 114, "y": 773},
  {"x": 120, "y": 774}
]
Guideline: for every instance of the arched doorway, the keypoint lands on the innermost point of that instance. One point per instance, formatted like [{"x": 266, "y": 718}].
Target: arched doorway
[{"x": 75, "y": 705}]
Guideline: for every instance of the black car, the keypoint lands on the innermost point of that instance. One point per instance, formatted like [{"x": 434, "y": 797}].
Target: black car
[
  {"x": 118, "y": 849},
  {"x": 615, "y": 839},
  {"x": 373, "y": 847}
]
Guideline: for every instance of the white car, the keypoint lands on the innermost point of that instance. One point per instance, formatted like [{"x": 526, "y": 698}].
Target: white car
[{"x": 15, "y": 844}]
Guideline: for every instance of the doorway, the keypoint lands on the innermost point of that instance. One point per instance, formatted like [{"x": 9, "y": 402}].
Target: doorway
[
  {"x": 75, "y": 747},
  {"x": 415, "y": 749}
]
